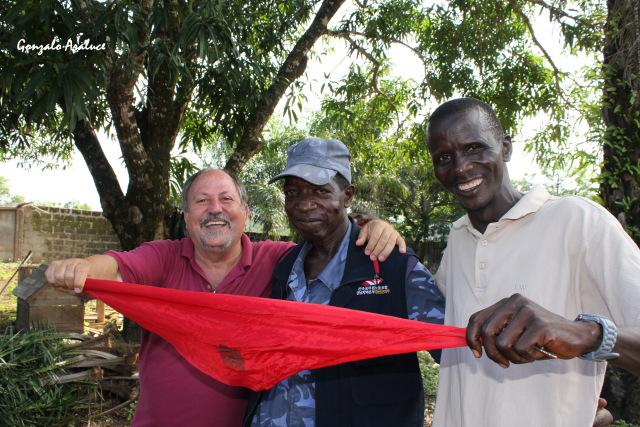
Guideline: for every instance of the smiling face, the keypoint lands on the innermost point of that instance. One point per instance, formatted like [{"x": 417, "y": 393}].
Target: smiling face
[
  {"x": 215, "y": 215},
  {"x": 469, "y": 159},
  {"x": 318, "y": 212}
]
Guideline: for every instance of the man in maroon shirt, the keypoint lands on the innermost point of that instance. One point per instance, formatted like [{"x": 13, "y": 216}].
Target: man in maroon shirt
[{"x": 216, "y": 257}]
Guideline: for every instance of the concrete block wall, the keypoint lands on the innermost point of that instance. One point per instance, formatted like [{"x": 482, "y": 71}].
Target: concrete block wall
[
  {"x": 54, "y": 233},
  {"x": 7, "y": 232}
]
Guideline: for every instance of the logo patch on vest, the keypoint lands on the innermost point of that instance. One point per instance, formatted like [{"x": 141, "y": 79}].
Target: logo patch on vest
[{"x": 373, "y": 286}]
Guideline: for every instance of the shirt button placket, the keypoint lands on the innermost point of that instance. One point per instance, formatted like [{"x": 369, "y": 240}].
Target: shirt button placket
[{"x": 481, "y": 280}]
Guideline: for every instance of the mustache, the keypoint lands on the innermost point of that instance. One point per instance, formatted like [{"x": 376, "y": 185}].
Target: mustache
[{"x": 213, "y": 217}]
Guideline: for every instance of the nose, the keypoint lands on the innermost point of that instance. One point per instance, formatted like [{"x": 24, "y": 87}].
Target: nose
[
  {"x": 462, "y": 165},
  {"x": 214, "y": 206},
  {"x": 306, "y": 204}
]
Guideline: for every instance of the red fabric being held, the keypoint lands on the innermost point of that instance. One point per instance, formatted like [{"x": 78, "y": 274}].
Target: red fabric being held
[{"x": 256, "y": 342}]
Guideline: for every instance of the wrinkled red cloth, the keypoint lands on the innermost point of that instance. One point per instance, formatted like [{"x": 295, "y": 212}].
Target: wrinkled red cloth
[{"x": 257, "y": 342}]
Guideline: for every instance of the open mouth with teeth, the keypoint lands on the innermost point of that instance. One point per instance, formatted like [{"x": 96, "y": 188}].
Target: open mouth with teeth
[
  {"x": 215, "y": 223},
  {"x": 470, "y": 185}
]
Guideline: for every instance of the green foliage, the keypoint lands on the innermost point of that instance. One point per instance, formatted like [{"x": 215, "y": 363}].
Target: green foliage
[
  {"x": 217, "y": 61},
  {"x": 42, "y": 95},
  {"x": 229, "y": 53},
  {"x": 429, "y": 370},
  {"x": 621, "y": 111},
  {"x": 498, "y": 67},
  {"x": 75, "y": 204},
  {"x": 6, "y": 196},
  {"x": 181, "y": 169},
  {"x": 390, "y": 161},
  {"x": 623, "y": 423},
  {"x": 561, "y": 185},
  {"x": 267, "y": 200},
  {"x": 7, "y": 299},
  {"x": 562, "y": 144},
  {"x": 30, "y": 363}
]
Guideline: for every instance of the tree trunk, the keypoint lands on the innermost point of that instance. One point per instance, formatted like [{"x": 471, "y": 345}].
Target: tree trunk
[
  {"x": 621, "y": 148},
  {"x": 291, "y": 69}
]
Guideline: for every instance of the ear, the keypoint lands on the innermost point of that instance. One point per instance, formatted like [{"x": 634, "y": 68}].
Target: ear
[
  {"x": 349, "y": 192},
  {"x": 507, "y": 148}
]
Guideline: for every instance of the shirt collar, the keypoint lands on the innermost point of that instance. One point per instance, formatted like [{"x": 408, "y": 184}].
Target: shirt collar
[
  {"x": 332, "y": 273},
  {"x": 528, "y": 204}
]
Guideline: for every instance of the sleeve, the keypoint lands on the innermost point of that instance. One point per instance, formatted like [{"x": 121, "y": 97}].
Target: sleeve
[
  {"x": 145, "y": 264},
  {"x": 612, "y": 264},
  {"x": 441, "y": 278},
  {"x": 425, "y": 302}
]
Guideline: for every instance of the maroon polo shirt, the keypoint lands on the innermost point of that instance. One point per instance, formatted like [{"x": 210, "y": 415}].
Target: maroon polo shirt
[{"x": 172, "y": 392}]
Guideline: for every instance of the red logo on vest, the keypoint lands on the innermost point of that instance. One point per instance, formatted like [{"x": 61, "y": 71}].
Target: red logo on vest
[
  {"x": 372, "y": 282},
  {"x": 376, "y": 276}
]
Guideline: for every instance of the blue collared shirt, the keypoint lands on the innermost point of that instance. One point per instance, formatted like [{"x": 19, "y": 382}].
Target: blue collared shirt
[{"x": 291, "y": 403}]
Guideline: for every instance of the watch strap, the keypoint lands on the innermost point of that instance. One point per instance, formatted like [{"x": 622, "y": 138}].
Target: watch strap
[{"x": 609, "y": 335}]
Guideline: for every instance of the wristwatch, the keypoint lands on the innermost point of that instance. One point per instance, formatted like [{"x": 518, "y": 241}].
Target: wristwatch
[{"x": 609, "y": 335}]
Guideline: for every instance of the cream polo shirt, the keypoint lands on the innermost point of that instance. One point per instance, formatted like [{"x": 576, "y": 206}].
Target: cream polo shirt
[{"x": 570, "y": 256}]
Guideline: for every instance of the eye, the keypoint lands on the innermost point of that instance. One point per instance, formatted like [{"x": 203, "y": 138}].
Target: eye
[{"x": 443, "y": 159}]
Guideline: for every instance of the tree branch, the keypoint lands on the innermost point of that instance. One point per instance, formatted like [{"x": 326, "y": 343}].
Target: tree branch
[
  {"x": 161, "y": 87},
  {"x": 385, "y": 39},
  {"x": 346, "y": 35},
  {"x": 290, "y": 70},
  {"x": 556, "y": 70},
  {"x": 122, "y": 79},
  {"x": 555, "y": 11},
  {"x": 104, "y": 178}
]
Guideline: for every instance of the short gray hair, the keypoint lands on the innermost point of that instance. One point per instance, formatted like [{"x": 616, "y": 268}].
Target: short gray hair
[{"x": 242, "y": 191}]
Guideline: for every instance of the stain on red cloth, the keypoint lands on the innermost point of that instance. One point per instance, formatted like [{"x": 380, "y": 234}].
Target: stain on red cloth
[{"x": 256, "y": 342}]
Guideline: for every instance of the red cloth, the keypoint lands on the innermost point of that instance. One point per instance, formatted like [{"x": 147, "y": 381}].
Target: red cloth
[{"x": 257, "y": 342}]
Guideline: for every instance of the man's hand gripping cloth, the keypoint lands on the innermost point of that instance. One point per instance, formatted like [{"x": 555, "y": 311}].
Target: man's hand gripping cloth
[{"x": 256, "y": 342}]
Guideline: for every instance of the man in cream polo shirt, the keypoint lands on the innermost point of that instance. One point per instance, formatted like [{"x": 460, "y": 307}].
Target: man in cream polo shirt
[{"x": 537, "y": 262}]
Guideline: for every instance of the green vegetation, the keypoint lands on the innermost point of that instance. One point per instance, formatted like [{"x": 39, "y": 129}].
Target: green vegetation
[
  {"x": 6, "y": 196},
  {"x": 7, "y": 299},
  {"x": 212, "y": 71},
  {"x": 31, "y": 364},
  {"x": 429, "y": 370}
]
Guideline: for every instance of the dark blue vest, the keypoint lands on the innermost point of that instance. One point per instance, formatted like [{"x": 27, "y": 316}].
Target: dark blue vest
[{"x": 385, "y": 391}]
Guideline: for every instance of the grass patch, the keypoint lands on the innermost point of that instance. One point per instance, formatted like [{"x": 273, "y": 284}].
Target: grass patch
[
  {"x": 30, "y": 364},
  {"x": 7, "y": 299},
  {"x": 56, "y": 379},
  {"x": 429, "y": 370}
]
